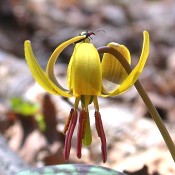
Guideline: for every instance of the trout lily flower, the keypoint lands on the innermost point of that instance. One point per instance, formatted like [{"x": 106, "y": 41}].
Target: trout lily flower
[{"x": 88, "y": 77}]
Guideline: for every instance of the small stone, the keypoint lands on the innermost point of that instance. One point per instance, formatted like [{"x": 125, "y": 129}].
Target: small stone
[{"x": 114, "y": 15}]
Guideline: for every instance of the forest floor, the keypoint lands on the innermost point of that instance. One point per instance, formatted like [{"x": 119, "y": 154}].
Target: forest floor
[{"x": 133, "y": 140}]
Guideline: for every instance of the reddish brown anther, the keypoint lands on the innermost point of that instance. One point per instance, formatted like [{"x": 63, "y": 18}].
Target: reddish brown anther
[
  {"x": 69, "y": 134},
  {"x": 101, "y": 134},
  {"x": 68, "y": 121},
  {"x": 80, "y": 132},
  {"x": 69, "y": 129}
]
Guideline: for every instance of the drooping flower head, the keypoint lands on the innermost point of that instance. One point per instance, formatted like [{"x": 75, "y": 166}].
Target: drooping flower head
[{"x": 88, "y": 77}]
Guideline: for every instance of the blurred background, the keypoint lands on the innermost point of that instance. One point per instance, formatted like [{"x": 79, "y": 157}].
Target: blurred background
[{"x": 32, "y": 121}]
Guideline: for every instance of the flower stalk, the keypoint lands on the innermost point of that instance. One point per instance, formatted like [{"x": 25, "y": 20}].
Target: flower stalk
[{"x": 151, "y": 108}]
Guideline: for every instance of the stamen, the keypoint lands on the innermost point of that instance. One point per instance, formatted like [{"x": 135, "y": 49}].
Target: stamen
[
  {"x": 80, "y": 132},
  {"x": 97, "y": 127},
  {"x": 96, "y": 103},
  {"x": 101, "y": 134},
  {"x": 76, "y": 102},
  {"x": 69, "y": 134},
  {"x": 68, "y": 121}
]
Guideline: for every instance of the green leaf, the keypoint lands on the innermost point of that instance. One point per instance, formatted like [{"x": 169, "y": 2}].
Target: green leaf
[
  {"x": 41, "y": 122},
  {"x": 71, "y": 169},
  {"x": 23, "y": 107}
]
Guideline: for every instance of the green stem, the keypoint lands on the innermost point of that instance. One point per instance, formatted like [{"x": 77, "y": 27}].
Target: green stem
[{"x": 155, "y": 115}]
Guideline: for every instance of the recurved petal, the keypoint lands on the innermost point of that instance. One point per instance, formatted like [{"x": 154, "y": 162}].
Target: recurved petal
[
  {"x": 113, "y": 72},
  {"x": 39, "y": 74},
  {"x": 133, "y": 76},
  {"x": 55, "y": 55}
]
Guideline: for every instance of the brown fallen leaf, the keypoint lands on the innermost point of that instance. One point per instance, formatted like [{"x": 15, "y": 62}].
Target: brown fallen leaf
[
  {"x": 142, "y": 171},
  {"x": 28, "y": 126},
  {"x": 49, "y": 113}
]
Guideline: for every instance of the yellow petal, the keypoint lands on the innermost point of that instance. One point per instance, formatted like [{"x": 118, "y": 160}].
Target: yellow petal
[
  {"x": 55, "y": 55},
  {"x": 84, "y": 71},
  {"x": 113, "y": 72},
  {"x": 133, "y": 76},
  {"x": 39, "y": 75}
]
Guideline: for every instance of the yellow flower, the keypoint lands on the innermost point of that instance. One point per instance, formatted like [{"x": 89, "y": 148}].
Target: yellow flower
[{"x": 87, "y": 78}]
